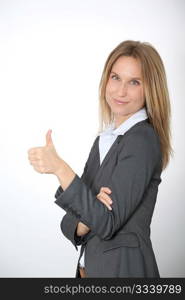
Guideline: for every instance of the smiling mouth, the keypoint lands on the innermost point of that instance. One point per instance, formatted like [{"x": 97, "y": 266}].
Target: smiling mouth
[{"x": 120, "y": 102}]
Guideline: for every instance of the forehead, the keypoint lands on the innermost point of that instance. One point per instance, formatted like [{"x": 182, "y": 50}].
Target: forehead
[{"x": 127, "y": 66}]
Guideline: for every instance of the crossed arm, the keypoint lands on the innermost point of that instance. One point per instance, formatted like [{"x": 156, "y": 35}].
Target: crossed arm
[
  {"x": 83, "y": 229},
  {"x": 66, "y": 178},
  {"x": 104, "y": 198}
]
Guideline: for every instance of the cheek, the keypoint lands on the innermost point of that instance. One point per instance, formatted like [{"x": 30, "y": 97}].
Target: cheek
[
  {"x": 141, "y": 97},
  {"x": 110, "y": 88},
  {"x": 137, "y": 94},
  {"x": 107, "y": 91}
]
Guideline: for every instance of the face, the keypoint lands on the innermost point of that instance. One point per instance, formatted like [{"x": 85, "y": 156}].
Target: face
[{"x": 124, "y": 89}]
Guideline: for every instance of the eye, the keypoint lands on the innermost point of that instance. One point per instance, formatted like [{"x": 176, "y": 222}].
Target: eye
[
  {"x": 135, "y": 82},
  {"x": 114, "y": 77}
]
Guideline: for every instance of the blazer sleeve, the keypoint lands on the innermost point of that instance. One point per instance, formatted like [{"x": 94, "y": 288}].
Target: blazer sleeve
[
  {"x": 69, "y": 226},
  {"x": 130, "y": 178},
  {"x": 70, "y": 220}
]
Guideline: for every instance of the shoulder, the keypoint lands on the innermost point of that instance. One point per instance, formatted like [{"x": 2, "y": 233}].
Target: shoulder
[
  {"x": 142, "y": 131},
  {"x": 142, "y": 138}
]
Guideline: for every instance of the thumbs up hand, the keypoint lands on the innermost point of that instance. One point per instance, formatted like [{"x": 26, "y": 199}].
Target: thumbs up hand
[
  {"x": 49, "y": 141},
  {"x": 45, "y": 159}
]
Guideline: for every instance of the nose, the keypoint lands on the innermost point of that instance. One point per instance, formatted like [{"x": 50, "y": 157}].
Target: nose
[{"x": 122, "y": 90}]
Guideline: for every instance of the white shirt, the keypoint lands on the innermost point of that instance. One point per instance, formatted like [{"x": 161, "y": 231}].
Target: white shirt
[{"x": 109, "y": 135}]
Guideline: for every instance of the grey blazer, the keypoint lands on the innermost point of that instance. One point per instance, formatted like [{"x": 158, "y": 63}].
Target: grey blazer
[{"x": 118, "y": 244}]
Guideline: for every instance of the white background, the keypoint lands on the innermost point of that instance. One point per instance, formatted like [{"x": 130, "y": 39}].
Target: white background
[{"x": 52, "y": 54}]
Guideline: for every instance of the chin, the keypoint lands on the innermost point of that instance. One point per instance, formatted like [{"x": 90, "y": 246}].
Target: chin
[{"x": 120, "y": 112}]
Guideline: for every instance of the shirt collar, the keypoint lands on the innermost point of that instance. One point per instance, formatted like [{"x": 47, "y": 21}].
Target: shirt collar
[{"x": 140, "y": 115}]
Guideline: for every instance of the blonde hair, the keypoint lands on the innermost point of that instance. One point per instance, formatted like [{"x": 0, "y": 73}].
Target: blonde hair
[{"x": 157, "y": 100}]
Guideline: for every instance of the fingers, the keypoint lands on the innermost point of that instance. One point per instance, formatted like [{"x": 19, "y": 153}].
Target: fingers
[
  {"x": 35, "y": 150},
  {"x": 105, "y": 189},
  {"x": 105, "y": 199},
  {"x": 108, "y": 200},
  {"x": 33, "y": 158},
  {"x": 35, "y": 153}
]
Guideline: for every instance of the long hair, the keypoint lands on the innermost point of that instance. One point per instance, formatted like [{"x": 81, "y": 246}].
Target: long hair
[{"x": 156, "y": 93}]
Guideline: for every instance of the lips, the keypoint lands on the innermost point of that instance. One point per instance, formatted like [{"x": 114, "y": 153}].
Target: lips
[{"x": 119, "y": 102}]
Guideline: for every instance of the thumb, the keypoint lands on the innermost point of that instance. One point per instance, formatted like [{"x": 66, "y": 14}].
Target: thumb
[{"x": 49, "y": 138}]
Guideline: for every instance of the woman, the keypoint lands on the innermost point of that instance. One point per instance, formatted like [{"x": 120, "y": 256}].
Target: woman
[{"x": 109, "y": 209}]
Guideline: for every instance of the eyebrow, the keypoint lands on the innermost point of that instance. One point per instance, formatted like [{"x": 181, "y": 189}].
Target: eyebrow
[{"x": 131, "y": 77}]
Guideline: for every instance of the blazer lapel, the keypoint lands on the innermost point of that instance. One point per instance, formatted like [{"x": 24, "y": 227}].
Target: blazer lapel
[
  {"x": 109, "y": 153},
  {"x": 114, "y": 145},
  {"x": 94, "y": 170}
]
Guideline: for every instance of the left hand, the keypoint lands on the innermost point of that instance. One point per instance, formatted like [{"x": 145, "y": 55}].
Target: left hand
[
  {"x": 45, "y": 159},
  {"x": 104, "y": 198}
]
